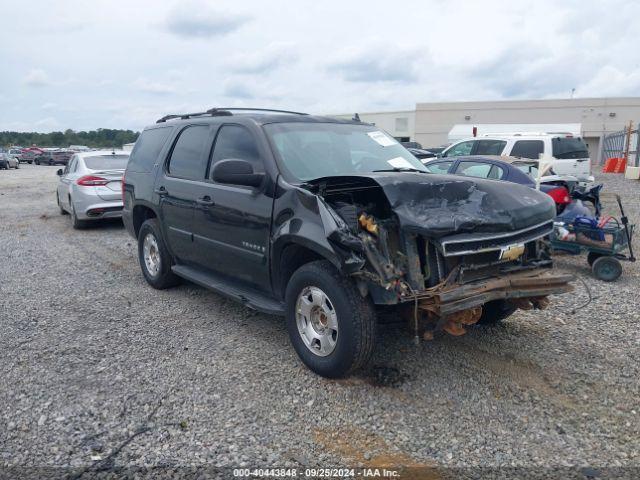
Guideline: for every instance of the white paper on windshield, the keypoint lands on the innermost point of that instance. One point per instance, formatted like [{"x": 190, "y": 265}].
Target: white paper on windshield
[
  {"x": 400, "y": 162},
  {"x": 382, "y": 138}
]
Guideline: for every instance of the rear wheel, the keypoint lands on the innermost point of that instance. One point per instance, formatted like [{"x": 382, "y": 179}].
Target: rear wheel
[
  {"x": 62, "y": 210},
  {"x": 75, "y": 221},
  {"x": 154, "y": 257},
  {"x": 331, "y": 325},
  {"x": 495, "y": 311},
  {"x": 607, "y": 269}
]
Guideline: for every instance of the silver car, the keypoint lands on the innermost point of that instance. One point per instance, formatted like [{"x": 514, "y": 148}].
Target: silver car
[
  {"x": 90, "y": 186},
  {"x": 8, "y": 161}
]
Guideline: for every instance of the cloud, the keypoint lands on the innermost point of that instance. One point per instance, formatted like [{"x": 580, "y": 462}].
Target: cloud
[
  {"x": 196, "y": 19},
  {"x": 156, "y": 88},
  {"x": 238, "y": 90},
  {"x": 378, "y": 64},
  {"x": 49, "y": 106},
  {"x": 611, "y": 81},
  {"x": 37, "y": 78},
  {"x": 266, "y": 60}
]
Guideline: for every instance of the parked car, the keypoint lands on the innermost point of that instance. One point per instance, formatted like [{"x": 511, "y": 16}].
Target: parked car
[
  {"x": 409, "y": 145},
  {"x": 54, "y": 157},
  {"x": 30, "y": 154},
  {"x": 567, "y": 154},
  {"x": 8, "y": 161},
  {"x": 90, "y": 186},
  {"x": 321, "y": 220},
  {"x": 421, "y": 154},
  {"x": 15, "y": 153},
  {"x": 529, "y": 172}
]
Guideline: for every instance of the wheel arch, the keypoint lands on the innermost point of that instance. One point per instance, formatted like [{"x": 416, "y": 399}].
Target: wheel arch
[
  {"x": 140, "y": 214},
  {"x": 291, "y": 253}
]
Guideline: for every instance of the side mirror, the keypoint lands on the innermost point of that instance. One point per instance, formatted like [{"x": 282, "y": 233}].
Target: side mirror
[
  {"x": 59, "y": 172},
  {"x": 236, "y": 172}
]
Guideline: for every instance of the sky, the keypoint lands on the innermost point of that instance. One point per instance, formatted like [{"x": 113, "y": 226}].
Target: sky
[{"x": 123, "y": 64}]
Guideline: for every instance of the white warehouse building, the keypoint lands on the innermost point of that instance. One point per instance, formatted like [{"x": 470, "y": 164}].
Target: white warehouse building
[{"x": 431, "y": 124}]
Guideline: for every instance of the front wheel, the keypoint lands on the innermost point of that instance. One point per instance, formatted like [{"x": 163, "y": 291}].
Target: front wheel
[
  {"x": 154, "y": 257},
  {"x": 331, "y": 325},
  {"x": 495, "y": 311}
]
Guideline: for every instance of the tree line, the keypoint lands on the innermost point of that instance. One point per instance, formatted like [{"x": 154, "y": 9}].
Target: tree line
[{"x": 100, "y": 138}]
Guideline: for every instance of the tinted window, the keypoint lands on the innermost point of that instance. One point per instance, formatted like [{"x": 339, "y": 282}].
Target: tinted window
[
  {"x": 528, "y": 149},
  {"x": 440, "y": 167},
  {"x": 489, "y": 147},
  {"x": 460, "y": 150},
  {"x": 481, "y": 170},
  {"x": 189, "y": 156},
  {"x": 569, "y": 147},
  {"x": 107, "y": 162},
  {"x": 147, "y": 148},
  {"x": 234, "y": 141}
]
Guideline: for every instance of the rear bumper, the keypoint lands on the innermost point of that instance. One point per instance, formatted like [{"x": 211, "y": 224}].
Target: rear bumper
[
  {"x": 97, "y": 211},
  {"x": 530, "y": 284}
]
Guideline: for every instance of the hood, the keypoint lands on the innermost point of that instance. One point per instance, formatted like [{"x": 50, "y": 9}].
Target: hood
[{"x": 438, "y": 205}]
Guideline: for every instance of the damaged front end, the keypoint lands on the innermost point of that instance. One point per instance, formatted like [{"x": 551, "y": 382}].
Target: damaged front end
[{"x": 442, "y": 248}]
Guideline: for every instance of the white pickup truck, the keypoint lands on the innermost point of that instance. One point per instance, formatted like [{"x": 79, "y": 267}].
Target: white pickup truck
[{"x": 567, "y": 153}]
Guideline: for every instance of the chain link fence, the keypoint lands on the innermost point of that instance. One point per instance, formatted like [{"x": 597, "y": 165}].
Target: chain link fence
[{"x": 622, "y": 144}]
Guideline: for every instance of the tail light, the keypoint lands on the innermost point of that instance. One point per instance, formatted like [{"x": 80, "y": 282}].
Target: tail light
[
  {"x": 560, "y": 195},
  {"x": 92, "y": 181}
]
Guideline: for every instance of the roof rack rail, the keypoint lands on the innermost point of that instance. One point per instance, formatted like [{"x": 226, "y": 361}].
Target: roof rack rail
[{"x": 226, "y": 111}]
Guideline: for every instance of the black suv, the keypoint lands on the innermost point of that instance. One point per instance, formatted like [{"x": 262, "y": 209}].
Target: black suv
[{"x": 329, "y": 222}]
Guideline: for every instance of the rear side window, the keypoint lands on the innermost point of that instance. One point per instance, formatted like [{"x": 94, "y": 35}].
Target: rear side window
[
  {"x": 440, "y": 167},
  {"x": 528, "y": 149},
  {"x": 189, "y": 156},
  {"x": 489, "y": 147},
  {"x": 236, "y": 142},
  {"x": 481, "y": 170},
  {"x": 148, "y": 146},
  {"x": 569, "y": 147}
]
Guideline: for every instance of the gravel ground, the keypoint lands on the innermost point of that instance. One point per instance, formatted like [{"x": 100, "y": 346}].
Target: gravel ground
[{"x": 97, "y": 369}]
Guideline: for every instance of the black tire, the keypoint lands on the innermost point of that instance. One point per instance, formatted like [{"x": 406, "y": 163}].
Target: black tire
[
  {"x": 607, "y": 269},
  {"x": 496, "y": 311},
  {"x": 355, "y": 315},
  {"x": 62, "y": 210},
  {"x": 165, "y": 278},
  {"x": 592, "y": 257},
  {"x": 75, "y": 221},
  {"x": 30, "y": 162},
  {"x": 17, "y": 165},
  {"x": 51, "y": 163}
]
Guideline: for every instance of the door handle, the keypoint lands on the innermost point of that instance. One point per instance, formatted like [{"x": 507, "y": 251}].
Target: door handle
[
  {"x": 161, "y": 191},
  {"x": 205, "y": 201}
]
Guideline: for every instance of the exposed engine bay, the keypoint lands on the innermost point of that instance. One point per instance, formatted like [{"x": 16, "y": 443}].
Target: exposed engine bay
[{"x": 444, "y": 248}]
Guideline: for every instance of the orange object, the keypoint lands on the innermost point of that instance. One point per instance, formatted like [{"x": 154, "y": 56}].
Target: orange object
[{"x": 615, "y": 165}]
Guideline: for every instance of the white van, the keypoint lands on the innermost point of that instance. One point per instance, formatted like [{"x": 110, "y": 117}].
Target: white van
[{"x": 567, "y": 154}]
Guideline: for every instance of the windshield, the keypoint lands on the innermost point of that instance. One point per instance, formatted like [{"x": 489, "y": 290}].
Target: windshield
[
  {"x": 313, "y": 150},
  {"x": 569, "y": 147},
  {"x": 107, "y": 162}
]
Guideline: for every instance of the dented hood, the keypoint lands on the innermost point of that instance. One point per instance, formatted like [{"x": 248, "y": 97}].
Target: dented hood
[{"x": 439, "y": 205}]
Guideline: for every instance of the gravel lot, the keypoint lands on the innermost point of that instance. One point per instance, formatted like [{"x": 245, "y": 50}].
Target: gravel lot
[{"x": 98, "y": 369}]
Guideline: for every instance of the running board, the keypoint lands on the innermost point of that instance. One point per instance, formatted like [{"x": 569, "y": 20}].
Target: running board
[{"x": 246, "y": 295}]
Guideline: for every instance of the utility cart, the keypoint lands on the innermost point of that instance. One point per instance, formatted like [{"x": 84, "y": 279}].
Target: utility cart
[{"x": 606, "y": 243}]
